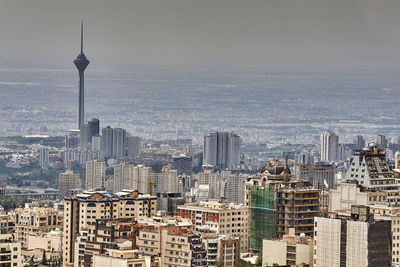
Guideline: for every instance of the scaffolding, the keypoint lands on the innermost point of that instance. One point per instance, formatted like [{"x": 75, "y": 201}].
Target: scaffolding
[{"x": 262, "y": 216}]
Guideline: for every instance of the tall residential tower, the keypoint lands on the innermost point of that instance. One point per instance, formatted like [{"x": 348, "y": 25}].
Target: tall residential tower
[
  {"x": 222, "y": 150},
  {"x": 81, "y": 62},
  {"x": 329, "y": 146}
]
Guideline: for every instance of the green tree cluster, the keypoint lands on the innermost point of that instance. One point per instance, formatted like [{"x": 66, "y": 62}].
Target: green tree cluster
[{"x": 10, "y": 203}]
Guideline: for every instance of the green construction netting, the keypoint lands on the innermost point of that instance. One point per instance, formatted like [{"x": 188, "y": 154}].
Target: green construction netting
[{"x": 262, "y": 216}]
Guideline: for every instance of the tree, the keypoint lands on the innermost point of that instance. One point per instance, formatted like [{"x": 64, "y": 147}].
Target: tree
[
  {"x": 259, "y": 259},
  {"x": 44, "y": 259},
  {"x": 219, "y": 264},
  {"x": 242, "y": 263},
  {"x": 31, "y": 263}
]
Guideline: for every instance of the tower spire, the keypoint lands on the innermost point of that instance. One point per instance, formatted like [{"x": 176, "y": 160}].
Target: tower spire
[
  {"x": 82, "y": 37},
  {"x": 81, "y": 62}
]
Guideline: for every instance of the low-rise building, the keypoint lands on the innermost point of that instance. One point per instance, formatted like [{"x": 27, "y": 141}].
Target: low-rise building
[
  {"x": 221, "y": 249},
  {"x": 50, "y": 241},
  {"x": 291, "y": 250},
  {"x": 124, "y": 256}
]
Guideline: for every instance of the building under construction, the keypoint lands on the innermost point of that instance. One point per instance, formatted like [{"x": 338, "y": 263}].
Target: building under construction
[
  {"x": 278, "y": 202},
  {"x": 369, "y": 169}
]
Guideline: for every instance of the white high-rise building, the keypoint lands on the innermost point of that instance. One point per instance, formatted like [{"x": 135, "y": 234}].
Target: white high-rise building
[
  {"x": 353, "y": 241},
  {"x": 132, "y": 177},
  {"x": 141, "y": 178},
  {"x": 95, "y": 174},
  {"x": 329, "y": 146},
  {"x": 44, "y": 157},
  {"x": 222, "y": 150},
  {"x": 96, "y": 143},
  {"x": 212, "y": 179},
  {"x": 123, "y": 177},
  {"x": 166, "y": 181},
  {"x": 235, "y": 188}
]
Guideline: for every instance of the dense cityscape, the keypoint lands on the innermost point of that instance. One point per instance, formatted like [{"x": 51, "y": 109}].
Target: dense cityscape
[{"x": 250, "y": 167}]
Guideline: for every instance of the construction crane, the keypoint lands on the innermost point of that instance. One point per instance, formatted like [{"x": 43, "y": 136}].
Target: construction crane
[
  {"x": 149, "y": 185},
  {"x": 135, "y": 227},
  {"x": 286, "y": 164}
]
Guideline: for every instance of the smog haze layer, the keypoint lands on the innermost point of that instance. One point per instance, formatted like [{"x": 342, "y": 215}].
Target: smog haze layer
[{"x": 269, "y": 70}]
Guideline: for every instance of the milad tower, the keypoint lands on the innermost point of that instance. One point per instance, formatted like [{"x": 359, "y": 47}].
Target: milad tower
[{"x": 81, "y": 62}]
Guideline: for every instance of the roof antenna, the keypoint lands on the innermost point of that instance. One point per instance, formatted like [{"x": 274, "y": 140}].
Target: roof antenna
[{"x": 82, "y": 37}]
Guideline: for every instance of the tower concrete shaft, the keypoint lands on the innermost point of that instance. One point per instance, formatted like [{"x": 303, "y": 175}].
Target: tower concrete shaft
[{"x": 81, "y": 62}]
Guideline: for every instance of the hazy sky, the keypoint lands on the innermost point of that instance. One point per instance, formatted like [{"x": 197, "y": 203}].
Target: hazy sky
[{"x": 234, "y": 31}]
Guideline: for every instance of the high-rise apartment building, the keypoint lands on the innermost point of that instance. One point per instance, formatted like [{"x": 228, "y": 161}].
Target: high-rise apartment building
[
  {"x": 381, "y": 141},
  {"x": 141, "y": 179},
  {"x": 94, "y": 128},
  {"x": 317, "y": 175},
  {"x": 123, "y": 177},
  {"x": 72, "y": 139},
  {"x": 83, "y": 237},
  {"x": 107, "y": 142},
  {"x": 78, "y": 156},
  {"x": 44, "y": 157},
  {"x": 329, "y": 146},
  {"x": 359, "y": 142},
  {"x": 352, "y": 241},
  {"x": 68, "y": 182},
  {"x": 169, "y": 202},
  {"x": 96, "y": 143},
  {"x": 119, "y": 143},
  {"x": 95, "y": 174},
  {"x": 222, "y": 150},
  {"x": 212, "y": 179},
  {"x": 84, "y": 136},
  {"x": 166, "y": 180},
  {"x": 182, "y": 164},
  {"x": 134, "y": 144},
  {"x": 235, "y": 188}
]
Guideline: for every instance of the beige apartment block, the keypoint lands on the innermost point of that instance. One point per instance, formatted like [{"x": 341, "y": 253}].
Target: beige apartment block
[
  {"x": 10, "y": 248},
  {"x": 224, "y": 218},
  {"x": 35, "y": 221},
  {"x": 291, "y": 250},
  {"x": 114, "y": 258},
  {"x": 125, "y": 256},
  {"x": 50, "y": 241},
  {"x": 83, "y": 212}
]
